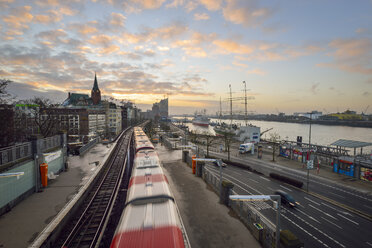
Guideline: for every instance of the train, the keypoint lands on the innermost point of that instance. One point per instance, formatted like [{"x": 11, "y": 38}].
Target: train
[{"x": 150, "y": 217}]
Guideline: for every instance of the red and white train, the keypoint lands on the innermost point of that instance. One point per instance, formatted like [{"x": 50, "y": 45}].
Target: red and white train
[{"x": 150, "y": 217}]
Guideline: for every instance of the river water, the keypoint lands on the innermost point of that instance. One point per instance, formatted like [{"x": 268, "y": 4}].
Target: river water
[{"x": 320, "y": 134}]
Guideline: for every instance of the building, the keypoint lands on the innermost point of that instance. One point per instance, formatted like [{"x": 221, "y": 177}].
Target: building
[
  {"x": 7, "y": 125},
  {"x": 96, "y": 93},
  {"x": 113, "y": 119},
  {"x": 81, "y": 124},
  {"x": 159, "y": 111}
]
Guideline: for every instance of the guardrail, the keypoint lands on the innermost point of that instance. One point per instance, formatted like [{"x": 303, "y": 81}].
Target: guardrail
[{"x": 260, "y": 227}]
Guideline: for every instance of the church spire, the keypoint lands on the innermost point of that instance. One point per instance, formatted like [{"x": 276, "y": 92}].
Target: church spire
[
  {"x": 95, "y": 86},
  {"x": 96, "y": 93}
]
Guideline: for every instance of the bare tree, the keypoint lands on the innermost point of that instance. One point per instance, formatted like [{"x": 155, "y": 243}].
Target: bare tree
[
  {"x": 228, "y": 138},
  {"x": 274, "y": 141},
  {"x": 5, "y": 97},
  {"x": 209, "y": 140}
]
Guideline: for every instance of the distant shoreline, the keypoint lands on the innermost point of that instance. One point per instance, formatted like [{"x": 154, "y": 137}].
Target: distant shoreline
[{"x": 348, "y": 123}]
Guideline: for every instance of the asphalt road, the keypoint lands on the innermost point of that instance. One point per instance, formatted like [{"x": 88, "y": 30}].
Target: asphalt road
[
  {"x": 315, "y": 222},
  {"x": 361, "y": 201}
]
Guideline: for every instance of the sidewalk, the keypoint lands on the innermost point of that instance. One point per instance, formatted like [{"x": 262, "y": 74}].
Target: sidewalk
[
  {"x": 208, "y": 223},
  {"x": 20, "y": 226}
]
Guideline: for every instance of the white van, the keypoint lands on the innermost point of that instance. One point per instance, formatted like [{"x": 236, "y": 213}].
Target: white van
[{"x": 243, "y": 148}]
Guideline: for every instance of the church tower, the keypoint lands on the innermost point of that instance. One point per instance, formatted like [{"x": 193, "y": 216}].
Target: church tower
[{"x": 96, "y": 93}]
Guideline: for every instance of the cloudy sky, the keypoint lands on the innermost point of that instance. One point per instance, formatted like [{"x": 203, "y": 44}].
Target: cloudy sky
[{"x": 294, "y": 55}]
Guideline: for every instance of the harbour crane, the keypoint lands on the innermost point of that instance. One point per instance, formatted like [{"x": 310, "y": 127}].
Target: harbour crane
[{"x": 365, "y": 110}]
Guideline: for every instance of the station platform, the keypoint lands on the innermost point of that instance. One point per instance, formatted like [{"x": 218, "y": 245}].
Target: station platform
[{"x": 20, "y": 226}]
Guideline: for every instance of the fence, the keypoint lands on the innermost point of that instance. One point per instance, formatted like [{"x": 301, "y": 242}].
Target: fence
[
  {"x": 15, "y": 153},
  {"x": 261, "y": 228}
]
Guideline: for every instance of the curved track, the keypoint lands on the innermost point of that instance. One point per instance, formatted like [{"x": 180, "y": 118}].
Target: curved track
[{"x": 88, "y": 228}]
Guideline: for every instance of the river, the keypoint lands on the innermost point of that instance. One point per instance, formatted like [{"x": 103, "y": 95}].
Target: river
[{"x": 320, "y": 134}]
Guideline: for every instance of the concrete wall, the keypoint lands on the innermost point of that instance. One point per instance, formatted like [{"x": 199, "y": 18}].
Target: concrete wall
[{"x": 12, "y": 188}]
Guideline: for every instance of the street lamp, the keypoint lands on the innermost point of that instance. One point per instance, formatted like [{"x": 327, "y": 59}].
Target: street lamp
[
  {"x": 277, "y": 203},
  {"x": 218, "y": 161},
  {"x": 309, "y": 162}
]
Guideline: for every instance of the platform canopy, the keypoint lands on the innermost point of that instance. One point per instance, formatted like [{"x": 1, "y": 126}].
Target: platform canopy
[{"x": 350, "y": 143}]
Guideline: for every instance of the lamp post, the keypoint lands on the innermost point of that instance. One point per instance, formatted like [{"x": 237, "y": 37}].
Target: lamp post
[
  {"x": 277, "y": 204},
  {"x": 309, "y": 164}
]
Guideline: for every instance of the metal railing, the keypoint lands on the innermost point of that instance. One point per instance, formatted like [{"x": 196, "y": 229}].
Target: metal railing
[{"x": 15, "y": 153}]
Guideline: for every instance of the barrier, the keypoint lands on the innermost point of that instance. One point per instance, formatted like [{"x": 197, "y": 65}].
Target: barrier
[{"x": 44, "y": 174}]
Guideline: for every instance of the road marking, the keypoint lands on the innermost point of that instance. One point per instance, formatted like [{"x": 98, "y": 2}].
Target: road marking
[
  {"x": 367, "y": 206},
  {"x": 337, "y": 195},
  {"x": 308, "y": 216},
  {"x": 264, "y": 178},
  {"x": 368, "y": 243},
  {"x": 253, "y": 180},
  {"x": 285, "y": 188},
  {"x": 330, "y": 206},
  {"x": 323, "y": 212},
  {"x": 331, "y": 222},
  {"x": 312, "y": 201},
  {"x": 356, "y": 223},
  {"x": 271, "y": 189},
  {"x": 317, "y": 229},
  {"x": 308, "y": 233}
]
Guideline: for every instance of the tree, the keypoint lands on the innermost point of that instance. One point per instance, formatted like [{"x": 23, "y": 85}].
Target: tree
[
  {"x": 228, "y": 138},
  {"x": 209, "y": 140},
  {"x": 43, "y": 115},
  {"x": 274, "y": 141},
  {"x": 5, "y": 97}
]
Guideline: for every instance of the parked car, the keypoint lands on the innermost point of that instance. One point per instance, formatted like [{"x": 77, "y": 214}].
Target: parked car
[
  {"x": 286, "y": 198},
  {"x": 222, "y": 163}
]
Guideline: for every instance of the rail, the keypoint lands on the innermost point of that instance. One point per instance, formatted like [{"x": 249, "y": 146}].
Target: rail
[{"x": 89, "y": 229}]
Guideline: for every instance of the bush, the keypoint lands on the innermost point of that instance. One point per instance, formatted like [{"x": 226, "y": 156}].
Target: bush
[{"x": 288, "y": 180}]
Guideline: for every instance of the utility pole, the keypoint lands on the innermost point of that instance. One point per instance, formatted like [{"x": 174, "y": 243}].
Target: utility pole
[
  {"x": 308, "y": 162},
  {"x": 245, "y": 102}
]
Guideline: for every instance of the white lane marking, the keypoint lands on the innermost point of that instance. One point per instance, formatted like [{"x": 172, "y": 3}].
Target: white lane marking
[
  {"x": 336, "y": 195},
  {"x": 368, "y": 243},
  {"x": 356, "y": 223},
  {"x": 264, "y": 178},
  {"x": 367, "y": 206},
  {"x": 317, "y": 229},
  {"x": 312, "y": 201},
  {"x": 253, "y": 180},
  {"x": 331, "y": 222},
  {"x": 323, "y": 212},
  {"x": 330, "y": 206},
  {"x": 271, "y": 189},
  {"x": 308, "y": 233},
  {"x": 285, "y": 188},
  {"x": 308, "y": 216}
]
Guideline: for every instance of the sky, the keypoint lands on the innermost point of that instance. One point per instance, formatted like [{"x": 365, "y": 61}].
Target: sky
[{"x": 294, "y": 56}]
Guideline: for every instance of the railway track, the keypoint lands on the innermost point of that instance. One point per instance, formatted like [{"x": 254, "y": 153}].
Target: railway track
[{"x": 93, "y": 226}]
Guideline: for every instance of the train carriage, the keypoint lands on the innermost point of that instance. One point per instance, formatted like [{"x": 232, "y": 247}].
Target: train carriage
[{"x": 150, "y": 217}]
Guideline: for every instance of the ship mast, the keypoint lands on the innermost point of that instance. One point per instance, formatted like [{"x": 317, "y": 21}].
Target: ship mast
[
  {"x": 230, "y": 106},
  {"x": 245, "y": 102},
  {"x": 220, "y": 111}
]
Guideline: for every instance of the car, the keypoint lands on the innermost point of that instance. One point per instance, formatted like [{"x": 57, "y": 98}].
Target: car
[
  {"x": 286, "y": 198},
  {"x": 216, "y": 164}
]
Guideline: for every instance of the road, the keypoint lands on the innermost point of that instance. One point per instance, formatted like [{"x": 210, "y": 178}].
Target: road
[
  {"x": 315, "y": 222},
  {"x": 360, "y": 201}
]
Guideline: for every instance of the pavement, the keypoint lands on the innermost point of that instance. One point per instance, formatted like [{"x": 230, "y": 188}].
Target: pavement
[
  {"x": 208, "y": 223},
  {"x": 20, "y": 226}
]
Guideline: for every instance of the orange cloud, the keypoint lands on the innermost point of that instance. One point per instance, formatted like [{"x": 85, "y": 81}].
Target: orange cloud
[
  {"x": 101, "y": 40},
  {"x": 352, "y": 55},
  {"x": 20, "y": 17},
  {"x": 201, "y": 16},
  {"x": 117, "y": 19},
  {"x": 229, "y": 46},
  {"x": 211, "y": 5},
  {"x": 109, "y": 49},
  {"x": 244, "y": 12}
]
